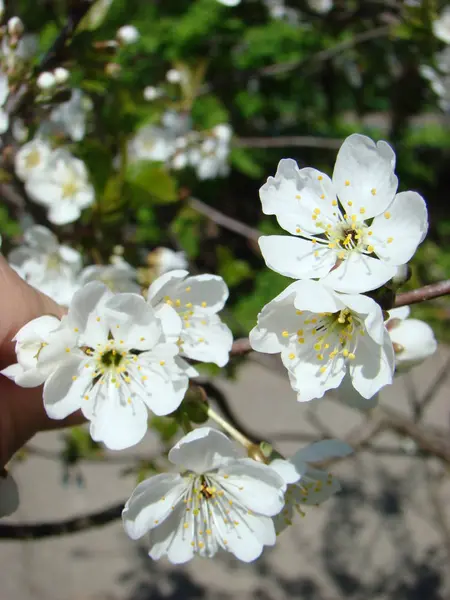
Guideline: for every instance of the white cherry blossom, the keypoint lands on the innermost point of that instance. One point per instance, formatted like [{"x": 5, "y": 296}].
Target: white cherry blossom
[
  {"x": 9, "y": 495},
  {"x": 32, "y": 158},
  {"x": 119, "y": 276},
  {"x": 63, "y": 187},
  {"x": 69, "y": 118},
  {"x": 127, "y": 34},
  {"x": 46, "y": 265},
  {"x": 120, "y": 365},
  {"x": 321, "y": 6},
  {"x": 30, "y": 370},
  {"x": 441, "y": 26},
  {"x": 165, "y": 260},
  {"x": 197, "y": 300},
  {"x": 217, "y": 501},
  {"x": 46, "y": 81},
  {"x": 413, "y": 339},
  {"x": 352, "y": 231},
  {"x": 321, "y": 335},
  {"x": 307, "y": 485},
  {"x": 4, "y": 92}
]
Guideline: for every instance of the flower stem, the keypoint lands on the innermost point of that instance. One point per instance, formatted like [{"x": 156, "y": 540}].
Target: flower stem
[{"x": 232, "y": 431}]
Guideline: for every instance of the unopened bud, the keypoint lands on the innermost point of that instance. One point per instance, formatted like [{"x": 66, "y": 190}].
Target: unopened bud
[
  {"x": 174, "y": 76},
  {"x": 128, "y": 34},
  {"x": 152, "y": 93},
  {"x": 46, "y": 81},
  {"x": 15, "y": 27},
  {"x": 254, "y": 451},
  {"x": 113, "y": 69},
  {"x": 61, "y": 75}
]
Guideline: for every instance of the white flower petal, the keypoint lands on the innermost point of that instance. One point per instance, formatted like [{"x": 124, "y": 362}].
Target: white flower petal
[
  {"x": 287, "y": 470},
  {"x": 254, "y": 485},
  {"x": 64, "y": 212},
  {"x": 247, "y": 540},
  {"x": 417, "y": 342},
  {"x": 151, "y": 503},
  {"x": 364, "y": 175},
  {"x": 373, "y": 367},
  {"x": 359, "y": 273},
  {"x": 118, "y": 423},
  {"x": 295, "y": 257},
  {"x": 202, "y": 450},
  {"x": 170, "y": 539},
  {"x": 320, "y": 451},
  {"x": 62, "y": 394},
  {"x": 165, "y": 285},
  {"x": 207, "y": 340},
  {"x": 131, "y": 319},
  {"x": 396, "y": 238},
  {"x": 402, "y": 312}
]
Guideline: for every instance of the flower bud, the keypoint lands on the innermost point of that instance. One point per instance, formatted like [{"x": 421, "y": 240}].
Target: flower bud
[
  {"x": 152, "y": 93},
  {"x": 174, "y": 76},
  {"x": 128, "y": 34},
  {"x": 15, "y": 27},
  {"x": 46, "y": 81},
  {"x": 61, "y": 75},
  {"x": 113, "y": 69}
]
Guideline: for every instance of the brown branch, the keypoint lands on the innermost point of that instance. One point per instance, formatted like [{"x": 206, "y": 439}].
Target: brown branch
[
  {"x": 428, "y": 292},
  {"x": 301, "y": 141},
  {"x": 328, "y": 53},
  {"x": 33, "y": 531},
  {"x": 223, "y": 220}
]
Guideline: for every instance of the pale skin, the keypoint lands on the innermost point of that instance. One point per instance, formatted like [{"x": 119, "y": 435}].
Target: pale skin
[{"x": 22, "y": 411}]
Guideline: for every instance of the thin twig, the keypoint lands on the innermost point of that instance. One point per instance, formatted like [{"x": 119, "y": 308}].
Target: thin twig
[
  {"x": 428, "y": 292},
  {"x": 328, "y": 53},
  {"x": 221, "y": 219},
  {"x": 286, "y": 141},
  {"x": 33, "y": 531}
]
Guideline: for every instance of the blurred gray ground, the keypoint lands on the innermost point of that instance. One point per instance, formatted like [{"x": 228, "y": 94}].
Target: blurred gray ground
[{"x": 382, "y": 537}]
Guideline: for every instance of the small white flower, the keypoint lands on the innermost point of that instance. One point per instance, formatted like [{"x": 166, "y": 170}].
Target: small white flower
[
  {"x": 63, "y": 187},
  {"x": 46, "y": 81},
  {"x": 128, "y": 34},
  {"x": 46, "y": 265},
  {"x": 152, "y": 93},
  {"x": 32, "y": 158},
  {"x": 321, "y": 6},
  {"x": 305, "y": 484},
  {"x": 9, "y": 495},
  {"x": 441, "y": 26},
  {"x": 213, "y": 154},
  {"x": 15, "y": 27},
  {"x": 165, "y": 260},
  {"x": 119, "y": 364},
  {"x": 321, "y": 335},
  {"x": 413, "y": 339},
  {"x": 118, "y": 277},
  {"x": 61, "y": 75},
  {"x": 31, "y": 368},
  {"x": 196, "y": 299},
  {"x": 69, "y": 118},
  {"x": 152, "y": 143},
  {"x": 4, "y": 92},
  {"x": 352, "y": 231},
  {"x": 229, "y": 2},
  {"x": 19, "y": 130},
  {"x": 174, "y": 76},
  {"x": 218, "y": 501}
]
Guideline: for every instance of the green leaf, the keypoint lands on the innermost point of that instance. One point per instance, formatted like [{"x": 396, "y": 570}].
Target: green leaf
[
  {"x": 94, "y": 16},
  {"x": 242, "y": 160},
  {"x": 151, "y": 183}
]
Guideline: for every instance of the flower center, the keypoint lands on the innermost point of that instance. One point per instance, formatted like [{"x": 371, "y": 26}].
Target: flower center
[
  {"x": 32, "y": 159},
  {"x": 69, "y": 189},
  {"x": 333, "y": 335}
]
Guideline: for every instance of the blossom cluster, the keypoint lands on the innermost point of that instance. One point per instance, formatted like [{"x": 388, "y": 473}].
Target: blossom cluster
[
  {"x": 349, "y": 235},
  {"x": 176, "y": 144}
]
